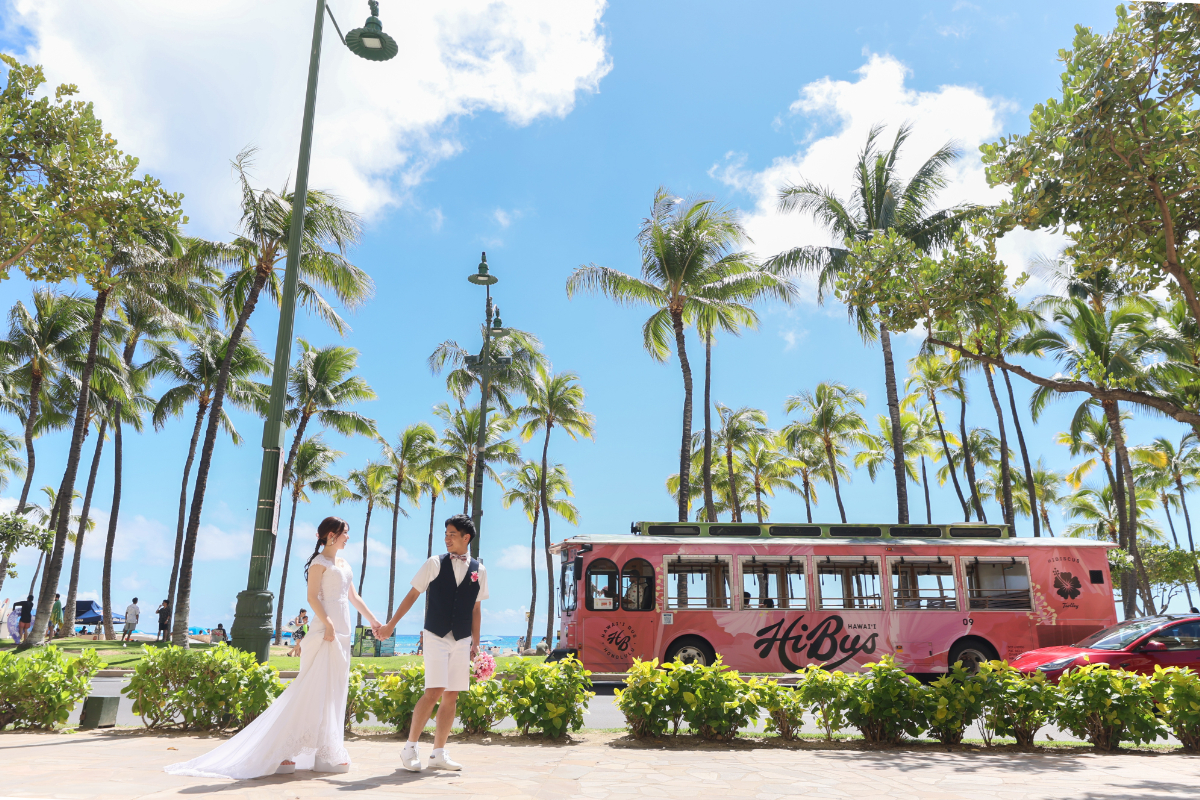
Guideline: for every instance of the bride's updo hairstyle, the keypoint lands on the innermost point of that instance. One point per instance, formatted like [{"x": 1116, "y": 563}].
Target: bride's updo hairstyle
[{"x": 330, "y": 526}]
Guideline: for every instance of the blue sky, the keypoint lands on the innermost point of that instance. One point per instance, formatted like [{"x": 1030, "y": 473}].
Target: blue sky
[{"x": 539, "y": 134}]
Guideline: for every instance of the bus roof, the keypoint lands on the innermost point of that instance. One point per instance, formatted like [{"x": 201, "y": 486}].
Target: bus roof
[{"x": 628, "y": 539}]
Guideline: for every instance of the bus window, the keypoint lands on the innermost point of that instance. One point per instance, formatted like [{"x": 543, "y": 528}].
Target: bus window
[
  {"x": 568, "y": 586},
  {"x": 848, "y": 583},
  {"x": 637, "y": 585},
  {"x": 923, "y": 583},
  {"x": 601, "y": 585},
  {"x": 698, "y": 582},
  {"x": 773, "y": 583},
  {"x": 995, "y": 583}
]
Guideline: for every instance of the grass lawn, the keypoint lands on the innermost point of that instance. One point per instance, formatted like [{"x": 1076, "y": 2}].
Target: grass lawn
[{"x": 120, "y": 657}]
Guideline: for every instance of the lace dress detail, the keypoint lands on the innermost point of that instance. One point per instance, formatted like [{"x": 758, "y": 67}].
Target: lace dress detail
[{"x": 306, "y": 722}]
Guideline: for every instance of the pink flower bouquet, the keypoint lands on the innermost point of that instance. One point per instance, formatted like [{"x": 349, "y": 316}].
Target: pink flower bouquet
[{"x": 483, "y": 667}]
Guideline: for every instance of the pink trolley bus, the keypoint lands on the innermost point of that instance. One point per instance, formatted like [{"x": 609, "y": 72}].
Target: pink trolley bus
[{"x": 777, "y": 597}]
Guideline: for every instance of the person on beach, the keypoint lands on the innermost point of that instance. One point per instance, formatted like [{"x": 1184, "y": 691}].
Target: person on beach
[
  {"x": 132, "y": 612},
  {"x": 25, "y": 621},
  {"x": 164, "y": 622},
  {"x": 303, "y": 727},
  {"x": 301, "y": 623},
  {"x": 56, "y": 618},
  {"x": 455, "y": 585}
]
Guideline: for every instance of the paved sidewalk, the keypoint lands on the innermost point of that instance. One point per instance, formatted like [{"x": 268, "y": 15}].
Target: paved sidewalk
[{"x": 124, "y": 765}]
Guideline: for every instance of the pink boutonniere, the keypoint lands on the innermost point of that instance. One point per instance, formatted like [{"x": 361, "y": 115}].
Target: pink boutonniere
[{"x": 475, "y": 577}]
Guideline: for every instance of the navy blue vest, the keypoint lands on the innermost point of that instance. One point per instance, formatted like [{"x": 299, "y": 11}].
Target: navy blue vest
[{"x": 448, "y": 605}]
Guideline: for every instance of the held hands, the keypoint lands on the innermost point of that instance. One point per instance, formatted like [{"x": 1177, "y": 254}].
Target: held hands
[{"x": 382, "y": 631}]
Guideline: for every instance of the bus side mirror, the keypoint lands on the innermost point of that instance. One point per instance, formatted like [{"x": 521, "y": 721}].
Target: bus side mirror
[{"x": 578, "y": 568}]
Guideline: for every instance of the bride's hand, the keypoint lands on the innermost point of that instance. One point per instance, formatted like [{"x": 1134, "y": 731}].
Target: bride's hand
[{"x": 329, "y": 634}]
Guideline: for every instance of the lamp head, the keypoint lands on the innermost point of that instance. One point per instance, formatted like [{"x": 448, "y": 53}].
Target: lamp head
[
  {"x": 482, "y": 277},
  {"x": 369, "y": 41}
]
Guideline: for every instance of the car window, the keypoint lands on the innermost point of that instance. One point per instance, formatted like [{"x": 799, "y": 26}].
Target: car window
[
  {"x": 1121, "y": 635},
  {"x": 1184, "y": 636}
]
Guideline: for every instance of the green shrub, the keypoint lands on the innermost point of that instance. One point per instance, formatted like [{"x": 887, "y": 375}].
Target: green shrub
[
  {"x": 824, "y": 694},
  {"x": 953, "y": 702},
  {"x": 218, "y": 689},
  {"x": 785, "y": 710},
  {"x": 1016, "y": 704},
  {"x": 1106, "y": 706},
  {"x": 360, "y": 695},
  {"x": 1177, "y": 697},
  {"x": 651, "y": 699},
  {"x": 717, "y": 702},
  {"x": 483, "y": 705},
  {"x": 550, "y": 696},
  {"x": 885, "y": 703},
  {"x": 41, "y": 689},
  {"x": 394, "y": 697}
]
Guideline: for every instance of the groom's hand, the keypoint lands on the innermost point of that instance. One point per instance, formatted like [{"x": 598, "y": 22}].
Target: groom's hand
[{"x": 474, "y": 651}]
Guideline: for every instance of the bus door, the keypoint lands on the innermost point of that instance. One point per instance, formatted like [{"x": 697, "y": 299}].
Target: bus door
[
  {"x": 621, "y": 622},
  {"x": 925, "y": 616}
]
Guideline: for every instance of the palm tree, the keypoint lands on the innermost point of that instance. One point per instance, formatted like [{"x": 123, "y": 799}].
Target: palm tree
[
  {"x": 371, "y": 485},
  {"x": 769, "y": 468},
  {"x": 1098, "y": 512},
  {"x": 739, "y": 430},
  {"x": 1048, "y": 488},
  {"x": 255, "y": 259},
  {"x": 553, "y": 399},
  {"x": 811, "y": 466},
  {"x": 11, "y": 464},
  {"x": 687, "y": 255},
  {"x": 527, "y": 486},
  {"x": 438, "y": 477},
  {"x": 831, "y": 421},
  {"x": 457, "y": 443},
  {"x": 407, "y": 460},
  {"x": 100, "y": 421},
  {"x": 38, "y": 346},
  {"x": 310, "y": 472},
  {"x": 320, "y": 385},
  {"x": 875, "y": 450},
  {"x": 930, "y": 376},
  {"x": 879, "y": 202},
  {"x": 1165, "y": 467},
  {"x": 516, "y": 357},
  {"x": 195, "y": 377}
]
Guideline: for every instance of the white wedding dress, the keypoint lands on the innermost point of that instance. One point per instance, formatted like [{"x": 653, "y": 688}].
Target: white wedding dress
[{"x": 306, "y": 722}]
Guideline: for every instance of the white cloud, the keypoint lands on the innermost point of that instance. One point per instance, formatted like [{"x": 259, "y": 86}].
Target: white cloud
[
  {"x": 836, "y": 115},
  {"x": 92, "y": 595},
  {"x": 507, "y": 614},
  {"x": 219, "y": 544},
  {"x": 514, "y": 557},
  {"x": 502, "y": 217},
  {"x": 185, "y": 86}
]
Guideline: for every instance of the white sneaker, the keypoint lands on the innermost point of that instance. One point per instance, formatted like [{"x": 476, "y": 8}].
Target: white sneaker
[
  {"x": 439, "y": 760},
  {"x": 410, "y": 759}
]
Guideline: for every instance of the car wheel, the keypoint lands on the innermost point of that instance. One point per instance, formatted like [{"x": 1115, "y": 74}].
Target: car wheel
[
  {"x": 972, "y": 652},
  {"x": 692, "y": 650}
]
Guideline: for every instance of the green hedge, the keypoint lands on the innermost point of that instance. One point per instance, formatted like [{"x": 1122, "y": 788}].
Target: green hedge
[
  {"x": 1098, "y": 704},
  {"x": 40, "y": 690}
]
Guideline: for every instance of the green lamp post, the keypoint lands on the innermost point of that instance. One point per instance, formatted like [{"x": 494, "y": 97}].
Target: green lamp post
[
  {"x": 483, "y": 364},
  {"x": 252, "y": 628}
]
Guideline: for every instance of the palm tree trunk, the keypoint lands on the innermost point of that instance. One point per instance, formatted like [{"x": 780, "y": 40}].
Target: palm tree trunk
[
  {"x": 546, "y": 531},
  {"x": 362, "y": 574},
  {"x": 67, "y": 489},
  {"x": 35, "y": 391},
  {"x": 685, "y": 448},
  {"x": 533, "y": 574},
  {"x": 1186, "y": 518},
  {"x": 395, "y": 524},
  {"x": 1005, "y": 475},
  {"x": 758, "y": 502},
  {"x": 1046, "y": 521},
  {"x": 925, "y": 481},
  {"x": 968, "y": 461},
  {"x": 432, "y": 507},
  {"x": 710, "y": 508},
  {"x": 734, "y": 500},
  {"x": 1012, "y": 404},
  {"x": 287, "y": 555},
  {"x": 73, "y": 584},
  {"x": 937, "y": 416},
  {"x": 295, "y": 448},
  {"x": 106, "y": 577},
  {"x": 807, "y": 504},
  {"x": 1113, "y": 412},
  {"x": 1117, "y": 484},
  {"x": 468, "y": 486},
  {"x": 837, "y": 491},
  {"x": 202, "y": 407},
  {"x": 37, "y": 570},
  {"x": 1175, "y": 537},
  {"x": 893, "y": 399},
  {"x": 183, "y": 604}
]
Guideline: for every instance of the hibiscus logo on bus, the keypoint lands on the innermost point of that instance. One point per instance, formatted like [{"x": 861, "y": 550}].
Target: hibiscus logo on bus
[{"x": 1067, "y": 585}]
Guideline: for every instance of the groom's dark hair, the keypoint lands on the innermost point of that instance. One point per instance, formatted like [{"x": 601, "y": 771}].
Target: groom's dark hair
[{"x": 462, "y": 523}]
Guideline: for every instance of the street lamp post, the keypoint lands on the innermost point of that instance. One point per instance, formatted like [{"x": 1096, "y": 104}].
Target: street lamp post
[
  {"x": 483, "y": 363},
  {"x": 252, "y": 628}
]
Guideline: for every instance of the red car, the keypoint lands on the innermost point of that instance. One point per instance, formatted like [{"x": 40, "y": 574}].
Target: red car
[{"x": 1136, "y": 645}]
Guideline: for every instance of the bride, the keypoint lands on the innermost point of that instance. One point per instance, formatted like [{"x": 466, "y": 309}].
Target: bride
[{"x": 303, "y": 727}]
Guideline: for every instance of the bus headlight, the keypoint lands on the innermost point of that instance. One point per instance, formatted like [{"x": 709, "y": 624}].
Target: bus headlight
[{"x": 1061, "y": 663}]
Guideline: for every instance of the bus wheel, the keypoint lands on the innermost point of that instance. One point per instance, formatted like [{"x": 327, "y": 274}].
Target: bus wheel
[
  {"x": 972, "y": 651},
  {"x": 691, "y": 650}
]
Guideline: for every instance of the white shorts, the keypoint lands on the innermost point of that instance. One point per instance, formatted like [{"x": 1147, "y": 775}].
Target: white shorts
[{"x": 447, "y": 663}]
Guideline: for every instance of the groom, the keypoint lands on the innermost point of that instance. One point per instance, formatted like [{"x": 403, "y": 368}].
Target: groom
[{"x": 456, "y": 586}]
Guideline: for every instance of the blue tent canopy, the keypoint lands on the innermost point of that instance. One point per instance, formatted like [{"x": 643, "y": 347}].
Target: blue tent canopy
[{"x": 89, "y": 612}]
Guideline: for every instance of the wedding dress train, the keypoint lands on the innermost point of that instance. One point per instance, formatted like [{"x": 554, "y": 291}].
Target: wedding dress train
[{"x": 305, "y": 724}]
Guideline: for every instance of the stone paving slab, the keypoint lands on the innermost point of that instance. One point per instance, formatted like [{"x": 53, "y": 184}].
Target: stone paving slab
[{"x": 124, "y": 765}]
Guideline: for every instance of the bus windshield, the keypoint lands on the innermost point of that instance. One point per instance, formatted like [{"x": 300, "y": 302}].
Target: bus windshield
[{"x": 1120, "y": 636}]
